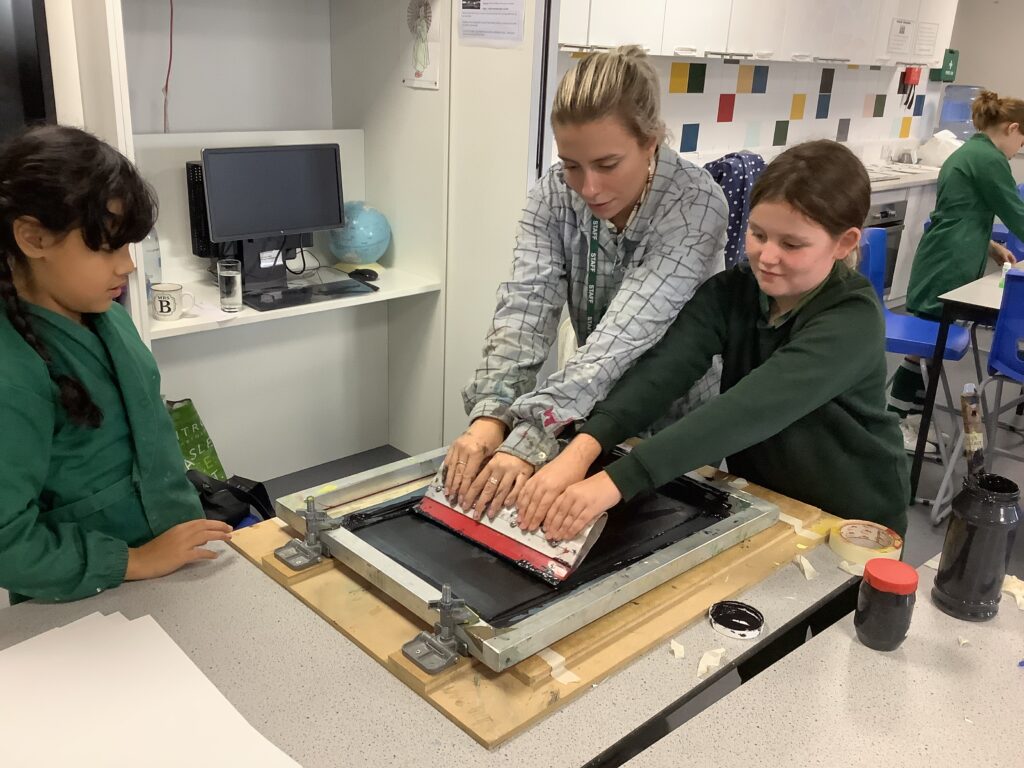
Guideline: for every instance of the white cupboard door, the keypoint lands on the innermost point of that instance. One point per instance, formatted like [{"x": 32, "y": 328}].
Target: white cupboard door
[
  {"x": 613, "y": 22},
  {"x": 807, "y": 30},
  {"x": 755, "y": 29},
  {"x": 934, "y": 30},
  {"x": 573, "y": 22},
  {"x": 853, "y": 37},
  {"x": 694, "y": 27},
  {"x": 896, "y": 32}
]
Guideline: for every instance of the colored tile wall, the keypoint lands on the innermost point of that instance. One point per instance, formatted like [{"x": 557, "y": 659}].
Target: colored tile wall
[{"x": 723, "y": 106}]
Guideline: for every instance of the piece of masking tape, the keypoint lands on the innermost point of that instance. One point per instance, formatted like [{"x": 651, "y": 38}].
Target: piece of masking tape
[
  {"x": 798, "y": 526},
  {"x": 709, "y": 661},
  {"x": 557, "y": 663},
  {"x": 854, "y": 569},
  {"x": 805, "y": 567},
  {"x": 1014, "y": 586},
  {"x": 677, "y": 648},
  {"x": 858, "y": 541}
]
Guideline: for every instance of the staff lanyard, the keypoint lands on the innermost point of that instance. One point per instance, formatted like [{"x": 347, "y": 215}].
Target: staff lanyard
[
  {"x": 595, "y": 227},
  {"x": 592, "y": 318}
]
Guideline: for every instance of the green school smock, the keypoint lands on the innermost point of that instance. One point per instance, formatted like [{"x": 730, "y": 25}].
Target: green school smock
[
  {"x": 73, "y": 499},
  {"x": 975, "y": 185}
]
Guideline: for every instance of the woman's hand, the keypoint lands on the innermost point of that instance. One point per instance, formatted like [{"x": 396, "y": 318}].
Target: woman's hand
[
  {"x": 540, "y": 492},
  {"x": 580, "y": 505},
  {"x": 174, "y": 548},
  {"x": 496, "y": 485},
  {"x": 469, "y": 452},
  {"x": 1000, "y": 254}
]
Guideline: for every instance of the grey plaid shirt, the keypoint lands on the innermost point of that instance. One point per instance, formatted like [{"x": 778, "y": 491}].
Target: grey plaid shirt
[{"x": 644, "y": 277}]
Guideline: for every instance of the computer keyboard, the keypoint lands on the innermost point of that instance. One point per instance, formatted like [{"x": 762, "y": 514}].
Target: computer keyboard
[{"x": 281, "y": 298}]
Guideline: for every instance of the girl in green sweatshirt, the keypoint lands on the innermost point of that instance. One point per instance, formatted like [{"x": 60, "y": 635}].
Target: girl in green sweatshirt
[
  {"x": 802, "y": 340},
  {"x": 975, "y": 185},
  {"x": 92, "y": 483}
]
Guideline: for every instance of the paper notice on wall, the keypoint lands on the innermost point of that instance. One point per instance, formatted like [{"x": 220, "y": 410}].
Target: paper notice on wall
[
  {"x": 491, "y": 23},
  {"x": 927, "y": 35},
  {"x": 901, "y": 33}
]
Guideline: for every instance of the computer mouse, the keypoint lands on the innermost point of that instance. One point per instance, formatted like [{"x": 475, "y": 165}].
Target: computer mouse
[{"x": 363, "y": 274}]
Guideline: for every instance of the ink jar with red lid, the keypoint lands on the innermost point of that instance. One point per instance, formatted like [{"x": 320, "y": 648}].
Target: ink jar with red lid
[{"x": 885, "y": 603}]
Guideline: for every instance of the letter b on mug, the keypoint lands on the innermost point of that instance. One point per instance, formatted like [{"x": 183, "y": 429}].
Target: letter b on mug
[{"x": 169, "y": 301}]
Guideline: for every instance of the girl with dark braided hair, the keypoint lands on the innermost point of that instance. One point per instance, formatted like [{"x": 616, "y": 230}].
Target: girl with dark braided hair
[{"x": 92, "y": 483}]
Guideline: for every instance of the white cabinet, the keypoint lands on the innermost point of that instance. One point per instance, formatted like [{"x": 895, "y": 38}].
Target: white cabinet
[
  {"x": 693, "y": 27},
  {"x": 755, "y": 29},
  {"x": 934, "y": 31},
  {"x": 853, "y": 37},
  {"x": 573, "y": 22},
  {"x": 613, "y": 23},
  {"x": 896, "y": 18},
  {"x": 807, "y": 30},
  {"x": 884, "y": 32}
]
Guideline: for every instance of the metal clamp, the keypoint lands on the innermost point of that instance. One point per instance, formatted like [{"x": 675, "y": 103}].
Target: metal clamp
[
  {"x": 305, "y": 553},
  {"x": 436, "y": 651}
]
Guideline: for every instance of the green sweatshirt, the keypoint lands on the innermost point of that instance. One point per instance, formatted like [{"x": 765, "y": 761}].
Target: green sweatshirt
[
  {"x": 802, "y": 406},
  {"x": 975, "y": 185},
  {"x": 72, "y": 498}
]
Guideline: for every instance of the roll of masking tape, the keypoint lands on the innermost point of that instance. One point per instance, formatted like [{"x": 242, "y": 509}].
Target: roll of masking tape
[{"x": 857, "y": 541}]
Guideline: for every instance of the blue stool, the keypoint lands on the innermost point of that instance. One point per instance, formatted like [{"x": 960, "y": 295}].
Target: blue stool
[{"x": 909, "y": 335}]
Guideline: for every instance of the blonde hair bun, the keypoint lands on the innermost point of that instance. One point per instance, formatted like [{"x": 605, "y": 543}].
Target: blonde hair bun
[{"x": 620, "y": 82}]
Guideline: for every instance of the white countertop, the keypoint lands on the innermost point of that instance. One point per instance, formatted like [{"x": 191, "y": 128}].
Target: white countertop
[
  {"x": 316, "y": 695},
  {"x": 909, "y": 176},
  {"x": 835, "y": 702}
]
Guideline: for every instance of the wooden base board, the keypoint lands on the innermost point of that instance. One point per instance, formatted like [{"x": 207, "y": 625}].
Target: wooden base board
[{"x": 492, "y": 707}]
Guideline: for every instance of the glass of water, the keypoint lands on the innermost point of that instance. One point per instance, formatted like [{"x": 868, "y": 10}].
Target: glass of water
[{"x": 229, "y": 278}]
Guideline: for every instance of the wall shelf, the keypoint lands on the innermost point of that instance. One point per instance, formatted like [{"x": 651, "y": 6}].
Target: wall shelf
[{"x": 207, "y": 315}]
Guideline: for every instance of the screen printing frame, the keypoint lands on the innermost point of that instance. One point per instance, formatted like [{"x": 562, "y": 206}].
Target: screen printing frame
[{"x": 500, "y": 648}]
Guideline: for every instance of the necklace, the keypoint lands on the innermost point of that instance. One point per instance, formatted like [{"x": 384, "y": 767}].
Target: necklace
[{"x": 640, "y": 200}]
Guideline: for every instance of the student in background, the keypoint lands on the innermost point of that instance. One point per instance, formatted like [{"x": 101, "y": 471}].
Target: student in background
[
  {"x": 92, "y": 483},
  {"x": 802, "y": 340},
  {"x": 975, "y": 185},
  {"x": 621, "y": 231}
]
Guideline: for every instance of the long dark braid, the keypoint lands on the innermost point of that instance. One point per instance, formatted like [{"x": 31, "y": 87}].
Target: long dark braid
[{"x": 65, "y": 178}]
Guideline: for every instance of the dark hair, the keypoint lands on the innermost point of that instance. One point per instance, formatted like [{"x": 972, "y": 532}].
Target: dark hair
[
  {"x": 65, "y": 178},
  {"x": 988, "y": 110},
  {"x": 823, "y": 180}
]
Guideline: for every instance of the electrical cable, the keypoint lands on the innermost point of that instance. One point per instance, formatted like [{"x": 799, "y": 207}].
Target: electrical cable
[{"x": 170, "y": 59}]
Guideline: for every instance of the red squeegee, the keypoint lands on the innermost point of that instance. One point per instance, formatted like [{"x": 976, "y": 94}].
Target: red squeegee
[{"x": 551, "y": 561}]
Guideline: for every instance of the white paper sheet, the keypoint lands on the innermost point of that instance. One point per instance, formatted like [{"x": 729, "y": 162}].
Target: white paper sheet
[
  {"x": 491, "y": 23},
  {"x": 118, "y": 693}
]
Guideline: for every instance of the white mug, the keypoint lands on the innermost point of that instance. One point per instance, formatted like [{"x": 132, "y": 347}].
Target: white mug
[{"x": 169, "y": 301}]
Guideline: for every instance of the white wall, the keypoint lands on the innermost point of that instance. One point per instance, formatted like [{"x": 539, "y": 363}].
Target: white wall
[
  {"x": 240, "y": 65},
  {"x": 988, "y": 35},
  {"x": 406, "y": 154},
  {"x": 281, "y": 396},
  {"x": 491, "y": 98}
]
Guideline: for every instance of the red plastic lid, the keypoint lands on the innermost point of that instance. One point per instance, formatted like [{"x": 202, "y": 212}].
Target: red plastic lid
[{"x": 891, "y": 576}]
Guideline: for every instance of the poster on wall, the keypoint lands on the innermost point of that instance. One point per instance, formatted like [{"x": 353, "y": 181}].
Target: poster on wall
[
  {"x": 491, "y": 23},
  {"x": 421, "y": 67},
  {"x": 901, "y": 32}
]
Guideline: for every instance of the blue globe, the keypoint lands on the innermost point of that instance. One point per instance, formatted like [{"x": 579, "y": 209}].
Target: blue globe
[{"x": 364, "y": 238}]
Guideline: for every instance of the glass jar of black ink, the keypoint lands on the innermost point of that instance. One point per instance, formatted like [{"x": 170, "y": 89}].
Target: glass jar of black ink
[{"x": 885, "y": 603}]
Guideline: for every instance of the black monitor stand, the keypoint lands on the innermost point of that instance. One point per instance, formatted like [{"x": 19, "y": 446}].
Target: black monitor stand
[{"x": 263, "y": 263}]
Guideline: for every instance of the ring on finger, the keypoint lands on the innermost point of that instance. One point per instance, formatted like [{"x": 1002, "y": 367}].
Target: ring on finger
[
  {"x": 460, "y": 463},
  {"x": 493, "y": 480}
]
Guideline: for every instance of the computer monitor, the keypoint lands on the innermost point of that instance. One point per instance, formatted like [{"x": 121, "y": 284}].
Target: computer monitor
[{"x": 258, "y": 196}]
